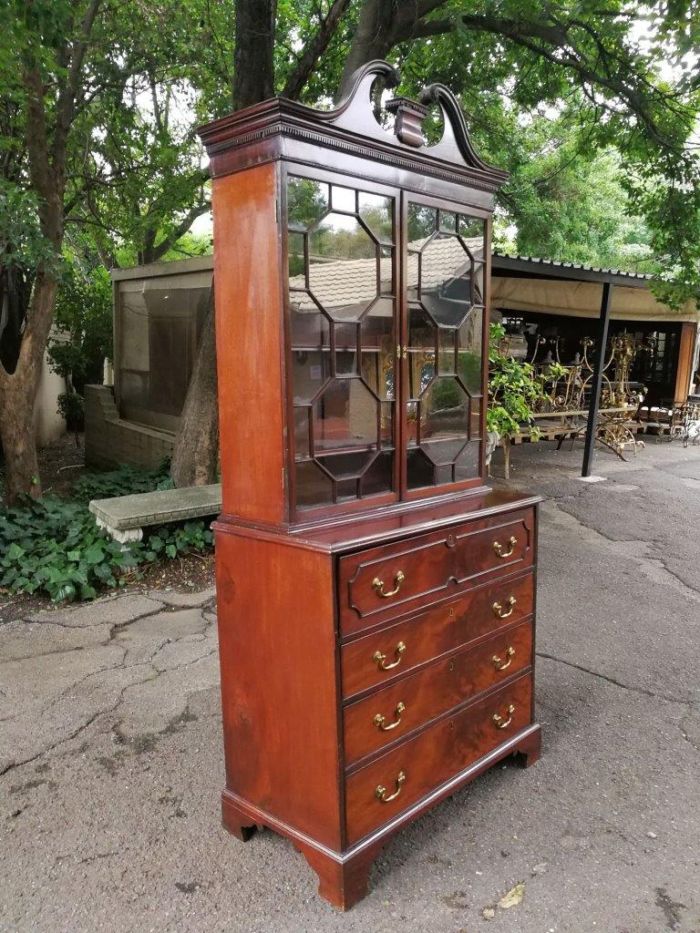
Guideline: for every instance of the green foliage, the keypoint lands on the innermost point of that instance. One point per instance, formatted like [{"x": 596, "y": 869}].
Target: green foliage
[
  {"x": 83, "y": 319},
  {"x": 54, "y": 547},
  {"x": 125, "y": 480},
  {"x": 514, "y": 389},
  {"x": 72, "y": 407}
]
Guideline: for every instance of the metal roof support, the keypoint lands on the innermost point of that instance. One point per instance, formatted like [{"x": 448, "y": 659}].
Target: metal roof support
[{"x": 594, "y": 404}]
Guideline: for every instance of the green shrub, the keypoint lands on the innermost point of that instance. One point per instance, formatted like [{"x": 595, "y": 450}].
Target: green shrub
[
  {"x": 54, "y": 547},
  {"x": 123, "y": 481}
]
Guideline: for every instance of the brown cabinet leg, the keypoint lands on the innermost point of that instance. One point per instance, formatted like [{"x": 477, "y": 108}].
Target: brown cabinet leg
[
  {"x": 342, "y": 884},
  {"x": 528, "y": 752},
  {"x": 235, "y": 821}
]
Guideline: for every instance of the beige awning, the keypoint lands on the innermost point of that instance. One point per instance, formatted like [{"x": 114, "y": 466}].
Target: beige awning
[{"x": 582, "y": 299}]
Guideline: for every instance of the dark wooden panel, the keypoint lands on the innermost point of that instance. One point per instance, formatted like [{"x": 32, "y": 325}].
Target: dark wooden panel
[
  {"x": 433, "y": 757},
  {"x": 415, "y": 700},
  {"x": 426, "y": 568},
  {"x": 249, "y": 347},
  {"x": 432, "y": 633},
  {"x": 279, "y": 682}
]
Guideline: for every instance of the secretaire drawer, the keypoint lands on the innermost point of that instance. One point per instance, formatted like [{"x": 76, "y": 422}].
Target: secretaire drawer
[
  {"x": 393, "y": 712},
  {"x": 387, "y": 581},
  {"x": 382, "y": 656},
  {"x": 391, "y": 783}
]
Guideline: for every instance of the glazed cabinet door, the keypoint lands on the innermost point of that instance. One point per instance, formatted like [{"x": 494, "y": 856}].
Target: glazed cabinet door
[
  {"x": 343, "y": 336},
  {"x": 444, "y": 346}
]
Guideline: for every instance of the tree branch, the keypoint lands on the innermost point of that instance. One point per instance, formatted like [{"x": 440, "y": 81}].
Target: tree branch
[{"x": 314, "y": 49}]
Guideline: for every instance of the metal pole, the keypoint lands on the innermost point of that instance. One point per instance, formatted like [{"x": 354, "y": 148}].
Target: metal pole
[{"x": 597, "y": 379}]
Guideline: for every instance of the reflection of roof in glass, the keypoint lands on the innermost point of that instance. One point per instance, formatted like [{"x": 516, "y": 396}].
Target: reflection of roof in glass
[{"x": 345, "y": 287}]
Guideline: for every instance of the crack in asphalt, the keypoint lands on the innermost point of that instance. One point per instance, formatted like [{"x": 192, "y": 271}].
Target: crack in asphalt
[
  {"x": 616, "y": 683},
  {"x": 154, "y": 673}
]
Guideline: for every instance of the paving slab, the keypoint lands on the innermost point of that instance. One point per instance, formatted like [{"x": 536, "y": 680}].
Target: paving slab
[{"x": 112, "y": 821}]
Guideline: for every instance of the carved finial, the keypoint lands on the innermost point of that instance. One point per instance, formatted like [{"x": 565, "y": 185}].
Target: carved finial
[{"x": 409, "y": 120}]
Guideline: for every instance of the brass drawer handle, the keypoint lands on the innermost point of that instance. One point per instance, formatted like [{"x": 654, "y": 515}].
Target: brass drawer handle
[
  {"x": 498, "y": 547},
  {"x": 378, "y": 585},
  {"x": 502, "y": 723},
  {"x": 499, "y": 663},
  {"x": 502, "y": 613},
  {"x": 380, "y": 659},
  {"x": 381, "y": 792},
  {"x": 381, "y": 723}
]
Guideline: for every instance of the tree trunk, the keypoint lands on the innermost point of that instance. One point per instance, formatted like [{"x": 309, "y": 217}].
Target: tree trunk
[
  {"x": 254, "y": 72},
  {"x": 196, "y": 453},
  {"x": 18, "y": 393}
]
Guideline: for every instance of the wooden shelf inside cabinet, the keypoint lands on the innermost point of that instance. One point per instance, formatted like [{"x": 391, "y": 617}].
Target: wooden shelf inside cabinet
[{"x": 362, "y": 562}]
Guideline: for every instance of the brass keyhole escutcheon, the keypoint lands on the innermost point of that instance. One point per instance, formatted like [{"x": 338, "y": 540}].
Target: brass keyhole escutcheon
[
  {"x": 499, "y": 663},
  {"x": 380, "y": 659},
  {"x": 381, "y": 723},
  {"x": 381, "y": 793},
  {"x": 450, "y": 614},
  {"x": 502, "y": 551},
  {"x": 500, "y": 612},
  {"x": 378, "y": 585},
  {"x": 500, "y": 721},
  {"x": 452, "y": 666},
  {"x": 450, "y": 541}
]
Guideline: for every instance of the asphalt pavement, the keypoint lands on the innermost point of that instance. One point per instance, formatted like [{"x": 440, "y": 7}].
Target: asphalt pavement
[{"x": 111, "y": 752}]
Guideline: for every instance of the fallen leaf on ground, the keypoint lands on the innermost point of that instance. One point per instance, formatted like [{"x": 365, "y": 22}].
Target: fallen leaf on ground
[
  {"x": 513, "y": 897},
  {"x": 488, "y": 913}
]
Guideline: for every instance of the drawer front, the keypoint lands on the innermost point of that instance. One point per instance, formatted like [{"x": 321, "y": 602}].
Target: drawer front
[
  {"x": 392, "y": 783},
  {"x": 391, "y": 713},
  {"x": 380, "y": 657},
  {"x": 384, "y": 582}
]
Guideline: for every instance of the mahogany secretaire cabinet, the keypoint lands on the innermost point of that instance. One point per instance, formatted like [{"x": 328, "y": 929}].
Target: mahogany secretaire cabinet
[{"x": 376, "y": 599}]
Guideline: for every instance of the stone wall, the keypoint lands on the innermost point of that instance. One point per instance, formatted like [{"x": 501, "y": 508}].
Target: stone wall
[{"x": 110, "y": 441}]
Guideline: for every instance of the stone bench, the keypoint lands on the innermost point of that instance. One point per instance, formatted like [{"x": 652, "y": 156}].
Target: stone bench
[{"x": 125, "y": 517}]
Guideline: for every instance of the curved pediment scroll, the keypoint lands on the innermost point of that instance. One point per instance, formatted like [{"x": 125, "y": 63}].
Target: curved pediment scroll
[
  {"x": 455, "y": 143},
  {"x": 354, "y": 111}
]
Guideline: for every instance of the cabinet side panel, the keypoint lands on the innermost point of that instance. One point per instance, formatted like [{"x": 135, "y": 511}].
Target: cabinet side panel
[
  {"x": 249, "y": 344},
  {"x": 279, "y": 682}
]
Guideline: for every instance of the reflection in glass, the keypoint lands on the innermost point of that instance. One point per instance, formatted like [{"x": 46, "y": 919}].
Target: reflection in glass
[
  {"x": 297, "y": 263},
  {"x": 307, "y": 201},
  {"x": 422, "y": 221},
  {"x": 344, "y": 416},
  {"x": 445, "y": 321},
  {"x": 376, "y": 211},
  {"x": 343, "y": 340},
  {"x": 313, "y": 487},
  {"x": 343, "y": 199}
]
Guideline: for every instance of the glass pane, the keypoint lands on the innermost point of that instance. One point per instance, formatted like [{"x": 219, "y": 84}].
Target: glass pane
[
  {"x": 307, "y": 201},
  {"x": 422, "y": 221},
  {"x": 469, "y": 355},
  {"x": 475, "y": 418},
  {"x": 378, "y": 477},
  {"x": 446, "y": 275},
  {"x": 343, "y": 199},
  {"x": 420, "y": 471},
  {"x": 343, "y": 466},
  {"x": 444, "y": 420},
  {"x": 345, "y": 348},
  {"x": 468, "y": 462},
  {"x": 313, "y": 487},
  {"x": 343, "y": 267},
  {"x": 301, "y": 432},
  {"x": 470, "y": 227},
  {"x": 377, "y": 343},
  {"x": 345, "y": 415},
  {"x": 448, "y": 221},
  {"x": 376, "y": 211},
  {"x": 297, "y": 263},
  {"x": 446, "y": 351},
  {"x": 341, "y": 258}
]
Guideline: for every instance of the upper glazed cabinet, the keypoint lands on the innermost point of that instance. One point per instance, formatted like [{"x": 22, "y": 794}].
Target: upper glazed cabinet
[{"x": 384, "y": 267}]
